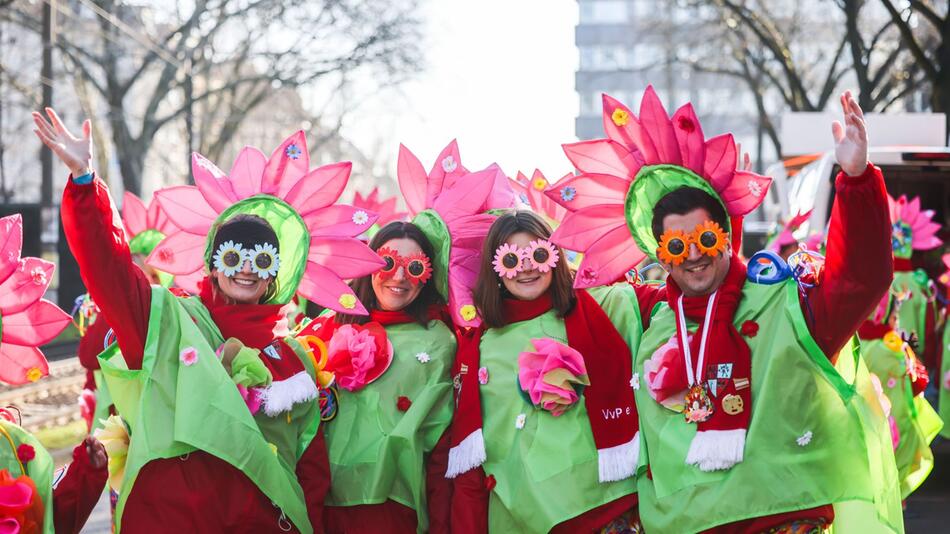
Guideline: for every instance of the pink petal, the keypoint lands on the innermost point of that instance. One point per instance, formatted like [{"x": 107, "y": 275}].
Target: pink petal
[
  {"x": 745, "y": 192},
  {"x": 689, "y": 136},
  {"x": 720, "y": 161},
  {"x": 347, "y": 257},
  {"x": 17, "y": 360},
  {"x": 156, "y": 219},
  {"x": 927, "y": 243},
  {"x": 337, "y": 220},
  {"x": 180, "y": 253},
  {"x": 217, "y": 189},
  {"x": 590, "y": 190},
  {"x": 37, "y": 324},
  {"x": 23, "y": 288},
  {"x": 609, "y": 259},
  {"x": 187, "y": 208},
  {"x": 412, "y": 180},
  {"x": 322, "y": 286},
  {"x": 467, "y": 196},
  {"x": 923, "y": 220},
  {"x": 282, "y": 172},
  {"x": 134, "y": 214},
  {"x": 463, "y": 274},
  {"x": 320, "y": 187},
  {"x": 439, "y": 174},
  {"x": 894, "y": 208},
  {"x": 191, "y": 282},
  {"x": 603, "y": 156},
  {"x": 632, "y": 134},
  {"x": 656, "y": 123},
  {"x": 581, "y": 229},
  {"x": 247, "y": 173},
  {"x": 11, "y": 243},
  {"x": 911, "y": 210},
  {"x": 946, "y": 260},
  {"x": 500, "y": 194}
]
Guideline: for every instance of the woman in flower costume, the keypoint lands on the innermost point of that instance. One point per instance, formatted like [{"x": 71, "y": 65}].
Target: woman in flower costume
[
  {"x": 388, "y": 446},
  {"x": 545, "y": 431},
  {"x": 903, "y": 379},
  {"x": 913, "y": 229},
  {"x": 214, "y": 391},
  {"x": 727, "y": 350},
  {"x": 32, "y": 498}
]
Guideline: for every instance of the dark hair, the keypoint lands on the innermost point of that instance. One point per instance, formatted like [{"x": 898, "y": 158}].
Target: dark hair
[
  {"x": 489, "y": 291},
  {"x": 255, "y": 227},
  {"x": 363, "y": 287},
  {"x": 684, "y": 200}
]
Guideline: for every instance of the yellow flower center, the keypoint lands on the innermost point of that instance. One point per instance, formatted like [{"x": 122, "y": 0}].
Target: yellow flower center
[
  {"x": 348, "y": 301},
  {"x": 34, "y": 374},
  {"x": 468, "y": 312},
  {"x": 620, "y": 117},
  {"x": 893, "y": 341},
  {"x": 540, "y": 184}
]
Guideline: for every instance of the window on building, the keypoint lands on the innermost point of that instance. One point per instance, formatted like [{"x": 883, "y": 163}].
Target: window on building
[{"x": 604, "y": 11}]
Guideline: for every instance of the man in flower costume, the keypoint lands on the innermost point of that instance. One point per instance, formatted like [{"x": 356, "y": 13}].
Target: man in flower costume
[
  {"x": 903, "y": 379},
  {"x": 32, "y": 498},
  {"x": 913, "y": 229},
  {"x": 723, "y": 357},
  {"x": 217, "y": 397}
]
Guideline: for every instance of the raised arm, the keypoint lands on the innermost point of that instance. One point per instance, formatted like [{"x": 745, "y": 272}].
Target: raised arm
[
  {"x": 859, "y": 263},
  {"x": 96, "y": 238}
]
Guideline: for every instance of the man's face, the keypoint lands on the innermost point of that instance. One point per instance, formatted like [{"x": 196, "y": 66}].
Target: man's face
[{"x": 699, "y": 274}]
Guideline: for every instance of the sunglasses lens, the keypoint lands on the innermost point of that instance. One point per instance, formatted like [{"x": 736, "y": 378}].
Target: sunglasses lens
[
  {"x": 676, "y": 246},
  {"x": 416, "y": 268},
  {"x": 708, "y": 239},
  {"x": 263, "y": 261},
  {"x": 510, "y": 260},
  {"x": 231, "y": 259},
  {"x": 540, "y": 255},
  {"x": 390, "y": 264}
]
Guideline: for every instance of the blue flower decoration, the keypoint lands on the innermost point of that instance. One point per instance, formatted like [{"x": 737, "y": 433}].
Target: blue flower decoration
[
  {"x": 568, "y": 194},
  {"x": 524, "y": 198},
  {"x": 293, "y": 151}
]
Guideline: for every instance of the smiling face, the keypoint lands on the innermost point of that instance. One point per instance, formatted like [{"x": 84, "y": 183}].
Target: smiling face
[
  {"x": 530, "y": 283},
  {"x": 245, "y": 287},
  {"x": 699, "y": 274},
  {"x": 397, "y": 292}
]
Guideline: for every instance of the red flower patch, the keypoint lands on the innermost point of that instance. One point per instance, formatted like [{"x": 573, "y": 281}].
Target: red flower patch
[
  {"x": 686, "y": 124},
  {"x": 750, "y": 328},
  {"x": 403, "y": 404},
  {"x": 25, "y": 453}
]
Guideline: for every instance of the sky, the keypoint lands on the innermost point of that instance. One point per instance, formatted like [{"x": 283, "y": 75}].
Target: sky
[{"x": 499, "y": 78}]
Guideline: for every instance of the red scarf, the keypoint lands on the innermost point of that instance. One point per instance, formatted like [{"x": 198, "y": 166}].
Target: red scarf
[
  {"x": 609, "y": 398},
  {"x": 726, "y": 373}
]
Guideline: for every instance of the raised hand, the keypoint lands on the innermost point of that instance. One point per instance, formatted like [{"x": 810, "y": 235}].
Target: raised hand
[
  {"x": 851, "y": 139},
  {"x": 744, "y": 162},
  {"x": 74, "y": 152}
]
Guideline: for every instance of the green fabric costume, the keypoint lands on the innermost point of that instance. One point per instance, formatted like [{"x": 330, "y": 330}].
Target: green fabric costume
[
  {"x": 912, "y": 315},
  {"x": 547, "y": 471},
  {"x": 379, "y": 453},
  {"x": 817, "y": 434},
  {"x": 39, "y": 469},
  {"x": 943, "y": 385}
]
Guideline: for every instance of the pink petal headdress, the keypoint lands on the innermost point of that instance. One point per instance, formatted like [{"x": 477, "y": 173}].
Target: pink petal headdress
[
  {"x": 912, "y": 228},
  {"x": 786, "y": 237},
  {"x": 622, "y": 177},
  {"x": 385, "y": 209},
  {"x": 27, "y": 320},
  {"x": 449, "y": 205},
  {"x": 531, "y": 194},
  {"x": 145, "y": 228},
  {"x": 318, "y": 245}
]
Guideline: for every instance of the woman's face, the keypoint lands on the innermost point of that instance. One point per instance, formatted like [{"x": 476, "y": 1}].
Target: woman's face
[
  {"x": 530, "y": 283},
  {"x": 245, "y": 287},
  {"x": 397, "y": 292}
]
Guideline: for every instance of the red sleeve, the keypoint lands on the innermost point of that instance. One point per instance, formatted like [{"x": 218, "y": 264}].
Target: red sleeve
[
  {"x": 313, "y": 474},
  {"x": 647, "y": 296},
  {"x": 470, "y": 503},
  {"x": 439, "y": 488},
  {"x": 77, "y": 493},
  {"x": 858, "y": 265},
  {"x": 90, "y": 345},
  {"x": 93, "y": 229}
]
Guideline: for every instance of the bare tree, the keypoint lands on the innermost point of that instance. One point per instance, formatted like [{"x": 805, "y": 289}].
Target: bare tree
[{"x": 212, "y": 65}]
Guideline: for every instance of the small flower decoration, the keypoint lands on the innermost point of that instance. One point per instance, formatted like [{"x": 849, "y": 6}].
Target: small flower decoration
[
  {"x": 620, "y": 117},
  {"x": 403, "y": 404},
  {"x": 468, "y": 312},
  {"x": 449, "y": 164},
  {"x": 588, "y": 275},
  {"x": 673, "y": 247},
  {"x": 360, "y": 217},
  {"x": 568, "y": 193},
  {"x": 229, "y": 258},
  {"x": 750, "y": 328},
  {"x": 166, "y": 255},
  {"x": 891, "y": 382},
  {"x": 755, "y": 188},
  {"x": 38, "y": 275},
  {"x": 348, "y": 301},
  {"x": 543, "y": 255},
  {"x": 519, "y": 421},
  {"x": 265, "y": 261},
  {"x": 34, "y": 374},
  {"x": 710, "y": 238},
  {"x": 539, "y": 183},
  {"x": 635, "y": 381},
  {"x": 892, "y": 340},
  {"x": 423, "y": 357},
  {"x": 946, "y": 380},
  {"x": 25, "y": 453},
  {"x": 483, "y": 375},
  {"x": 524, "y": 199},
  {"x": 507, "y": 261},
  {"x": 293, "y": 151},
  {"x": 686, "y": 124},
  {"x": 490, "y": 482},
  {"x": 188, "y": 356},
  {"x": 804, "y": 439}
]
